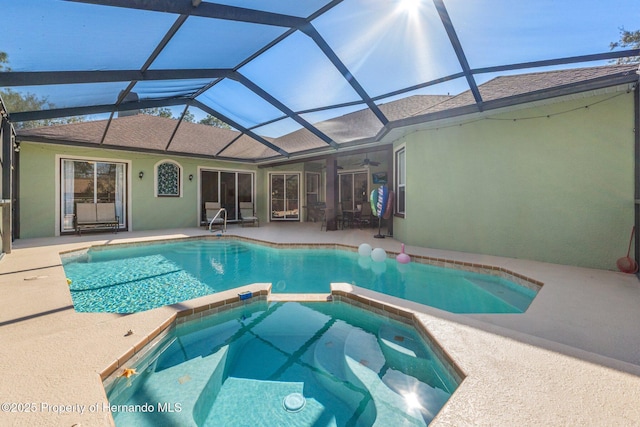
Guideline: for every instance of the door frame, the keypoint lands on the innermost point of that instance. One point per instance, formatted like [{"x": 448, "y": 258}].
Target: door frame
[
  {"x": 300, "y": 182},
  {"x": 201, "y": 169},
  {"x": 58, "y": 188}
]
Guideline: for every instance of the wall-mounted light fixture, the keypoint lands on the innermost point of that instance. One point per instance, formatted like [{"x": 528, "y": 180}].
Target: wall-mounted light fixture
[
  {"x": 141, "y": 174},
  {"x": 190, "y": 177}
]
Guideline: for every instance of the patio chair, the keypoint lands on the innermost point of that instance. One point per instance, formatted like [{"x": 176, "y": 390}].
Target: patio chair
[
  {"x": 248, "y": 215},
  {"x": 363, "y": 218},
  {"x": 339, "y": 218},
  {"x": 96, "y": 216},
  {"x": 216, "y": 216},
  {"x": 342, "y": 220},
  {"x": 320, "y": 212}
]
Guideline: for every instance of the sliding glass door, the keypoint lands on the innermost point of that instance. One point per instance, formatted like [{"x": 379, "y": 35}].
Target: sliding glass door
[
  {"x": 84, "y": 181},
  {"x": 285, "y": 197},
  {"x": 353, "y": 189},
  {"x": 229, "y": 188}
]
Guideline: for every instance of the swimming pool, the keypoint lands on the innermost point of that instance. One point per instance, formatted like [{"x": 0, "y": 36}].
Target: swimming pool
[
  {"x": 286, "y": 364},
  {"x": 141, "y": 277}
]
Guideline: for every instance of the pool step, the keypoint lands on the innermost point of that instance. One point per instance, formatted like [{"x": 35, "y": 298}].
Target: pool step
[
  {"x": 405, "y": 353},
  {"x": 411, "y": 367},
  {"x": 328, "y": 358},
  {"x": 329, "y": 351},
  {"x": 401, "y": 342},
  {"x": 217, "y": 248},
  {"x": 248, "y": 402},
  {"x": 198, "y": 343},
  {"x": 183, "y": 384},
  {"x": 519, "y": 301},
  {"x": 366, "y": 366}
]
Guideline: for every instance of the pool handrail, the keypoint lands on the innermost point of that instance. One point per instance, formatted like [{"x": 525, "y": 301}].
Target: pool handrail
[{"x": 217, "y": 218}]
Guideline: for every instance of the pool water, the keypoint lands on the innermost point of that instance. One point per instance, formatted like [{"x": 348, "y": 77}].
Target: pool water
[
  {"x": 286, "y": 364},
  {"x": 137, "y": 278}
]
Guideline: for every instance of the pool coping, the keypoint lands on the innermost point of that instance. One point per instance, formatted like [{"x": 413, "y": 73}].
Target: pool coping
[{"x": 562, "y": 360}]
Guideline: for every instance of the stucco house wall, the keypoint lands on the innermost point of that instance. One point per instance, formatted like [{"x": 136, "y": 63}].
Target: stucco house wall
[
  {"x": 551, "y": 183},
  {"x": 39, "y": 184}
]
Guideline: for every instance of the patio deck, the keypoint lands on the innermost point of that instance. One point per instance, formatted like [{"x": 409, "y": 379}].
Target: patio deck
[{"x": 573, "y": 358}]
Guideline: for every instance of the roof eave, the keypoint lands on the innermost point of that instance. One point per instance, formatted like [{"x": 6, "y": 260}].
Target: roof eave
[{"x": 84, "y": 144}]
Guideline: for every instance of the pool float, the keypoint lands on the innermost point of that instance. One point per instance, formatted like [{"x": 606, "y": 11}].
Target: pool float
[
  {"x": 373, "y": 198},
  {"x": 403, "y": 258},
  {"x": 389, "y": 210},
  {"x": 378, "y": 255},
  {"x": 379, "y": 202},
  {"x": 364, "y": 249},
  {"x": 383, "y": 198}
]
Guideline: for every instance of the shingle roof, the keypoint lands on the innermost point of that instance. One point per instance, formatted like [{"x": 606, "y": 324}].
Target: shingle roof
[
  {"x": 505, "y": 86},
  {"x": 144, "y": 132},
  {"x": 509, "y": 86}
]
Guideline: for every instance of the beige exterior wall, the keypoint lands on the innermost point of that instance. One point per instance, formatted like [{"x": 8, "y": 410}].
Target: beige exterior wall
[{"x": 553, "y": 183}]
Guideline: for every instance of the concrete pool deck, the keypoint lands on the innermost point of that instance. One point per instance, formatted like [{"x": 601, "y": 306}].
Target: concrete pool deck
[{"x": 573, "y": 358}]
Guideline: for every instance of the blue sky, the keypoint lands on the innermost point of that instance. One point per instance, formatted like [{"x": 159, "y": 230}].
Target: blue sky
[{"x": 385, "y": 45}]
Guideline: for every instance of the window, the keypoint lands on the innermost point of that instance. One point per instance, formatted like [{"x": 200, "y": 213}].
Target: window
[
  {"x": 401, "y": 180},
  {"x": 168, "y": 179}
]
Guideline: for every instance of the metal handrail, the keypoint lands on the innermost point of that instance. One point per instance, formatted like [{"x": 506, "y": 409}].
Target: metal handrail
[{"x": 216, "y": 216}]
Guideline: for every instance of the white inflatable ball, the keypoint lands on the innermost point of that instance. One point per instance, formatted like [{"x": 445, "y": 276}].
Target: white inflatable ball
[
  {"x": 364, "y": 249},
  {"x": 378, "y": 255},
  {"x": 364, "y": 262},
  {"x": 378, "y": 268}
]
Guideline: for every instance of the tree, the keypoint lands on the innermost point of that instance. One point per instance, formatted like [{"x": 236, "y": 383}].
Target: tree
[
  {"x": 189, "y": 117},
  {"x": 158, "y": 111},
  {"x": 209, "y": 120},
  {"x": 4, "y": 59},
  {"x": 16, "y": 101},
  {"x": 628, "y": 40}
]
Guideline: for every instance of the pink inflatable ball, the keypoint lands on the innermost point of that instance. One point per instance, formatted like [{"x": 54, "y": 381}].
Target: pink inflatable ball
[{"x": 403, "y": 258}]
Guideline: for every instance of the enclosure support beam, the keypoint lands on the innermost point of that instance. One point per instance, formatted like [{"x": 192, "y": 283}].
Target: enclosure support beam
[
  {"x": 7, "y": 180},
  {"x": 636, "y": 131},
  {"x": 331, "y": 201},
  {"x": 457, "y": 47}
]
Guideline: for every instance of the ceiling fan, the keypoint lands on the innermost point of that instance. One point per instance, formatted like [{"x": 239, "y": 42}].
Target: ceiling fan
[{"x": 367, "y": 162}]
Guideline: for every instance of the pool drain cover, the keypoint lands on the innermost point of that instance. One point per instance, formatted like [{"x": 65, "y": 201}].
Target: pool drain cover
[{"x": 294, "y": 402}]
